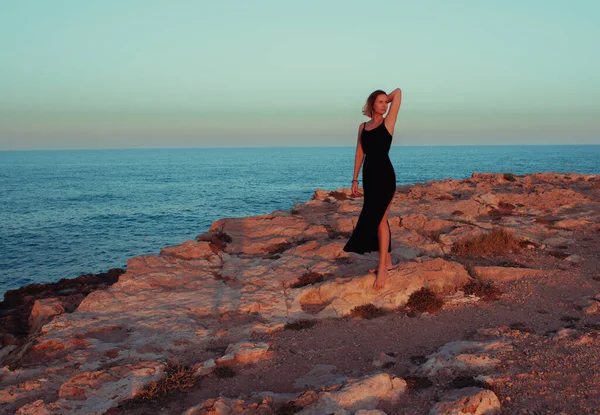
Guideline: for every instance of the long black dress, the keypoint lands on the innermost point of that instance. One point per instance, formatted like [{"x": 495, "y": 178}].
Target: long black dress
[{"x": 379, "y": 185}]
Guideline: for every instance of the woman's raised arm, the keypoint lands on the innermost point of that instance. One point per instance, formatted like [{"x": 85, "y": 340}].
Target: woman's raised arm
[{"x": 395, "y": 97}]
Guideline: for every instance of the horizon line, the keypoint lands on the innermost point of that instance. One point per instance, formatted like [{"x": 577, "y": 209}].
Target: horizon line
[{"x": 263, "y": 147}]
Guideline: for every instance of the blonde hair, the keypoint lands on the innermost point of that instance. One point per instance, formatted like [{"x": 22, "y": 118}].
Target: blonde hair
[{"x": 368, "y": 107}]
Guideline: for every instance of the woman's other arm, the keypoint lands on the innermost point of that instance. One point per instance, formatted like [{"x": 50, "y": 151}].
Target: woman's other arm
[{"x": 358, "y": 160}]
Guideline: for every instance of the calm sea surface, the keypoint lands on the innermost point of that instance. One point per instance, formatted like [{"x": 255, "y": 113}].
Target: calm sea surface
[{"x": 66, "y": 213}]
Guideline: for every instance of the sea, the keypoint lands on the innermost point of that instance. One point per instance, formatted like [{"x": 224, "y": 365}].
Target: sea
[{"x": 64, "y": 213}]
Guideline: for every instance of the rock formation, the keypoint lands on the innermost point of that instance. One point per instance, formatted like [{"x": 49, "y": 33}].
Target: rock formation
[{"x": 213, "y": 301}]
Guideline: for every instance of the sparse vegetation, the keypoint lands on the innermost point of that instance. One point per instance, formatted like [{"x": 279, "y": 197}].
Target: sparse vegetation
[
  {"x": 367, "y": 311},
  {"x": 177, "y": 377},
  {"x": 299, "y": 325},
  {"x": 510, "y": 177},
  {"x": 338, "y": 195},
  {"x": 424, "y": 300},
  {"x": 497, "y": 241},
  {"x": 309, "y": 278},
  {"x": 482, "y": 289}
]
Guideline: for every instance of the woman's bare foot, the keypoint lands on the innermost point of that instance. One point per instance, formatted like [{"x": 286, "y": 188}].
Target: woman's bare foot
[{"x": 380, "y": 279}]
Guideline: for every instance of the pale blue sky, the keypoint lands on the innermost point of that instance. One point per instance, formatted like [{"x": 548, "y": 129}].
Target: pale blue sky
[{"x": 112, "y": 74}]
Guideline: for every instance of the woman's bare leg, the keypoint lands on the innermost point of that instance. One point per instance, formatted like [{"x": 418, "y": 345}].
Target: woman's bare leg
[
  {"x": 389, "y": 264},
  {"x": 385, "y": 260}
]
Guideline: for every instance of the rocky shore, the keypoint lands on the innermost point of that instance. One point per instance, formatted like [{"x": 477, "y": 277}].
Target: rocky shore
[{"x": 492, "y": 307}]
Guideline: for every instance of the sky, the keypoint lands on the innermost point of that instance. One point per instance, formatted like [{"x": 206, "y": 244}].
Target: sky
[{"x": 153, "y": 73}]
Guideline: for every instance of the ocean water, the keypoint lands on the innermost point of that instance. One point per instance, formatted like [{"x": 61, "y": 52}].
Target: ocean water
[{"x": 66, "y": 213}]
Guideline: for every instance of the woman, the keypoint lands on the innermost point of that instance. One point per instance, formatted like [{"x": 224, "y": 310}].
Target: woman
[{"x": 372, "y": 231}]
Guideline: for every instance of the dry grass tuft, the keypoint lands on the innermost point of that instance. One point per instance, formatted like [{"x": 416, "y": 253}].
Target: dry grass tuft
[
  {"x": 338, "y": 195},
  {"x": 309, "y": 278},
  {"x": 497, "y": 241},
  {"x": 367, "y": 311},
  {"x": 424, "y": 300},
  {"x": 484, "y": 290},
  {"x": 177, "y": 377}
]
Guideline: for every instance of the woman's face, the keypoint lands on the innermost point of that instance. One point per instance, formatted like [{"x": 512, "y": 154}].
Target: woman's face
[{"x": 380, "y": 105}]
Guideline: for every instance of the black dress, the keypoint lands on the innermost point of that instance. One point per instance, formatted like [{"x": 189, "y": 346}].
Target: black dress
[{"x": 379, "y": 185}]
